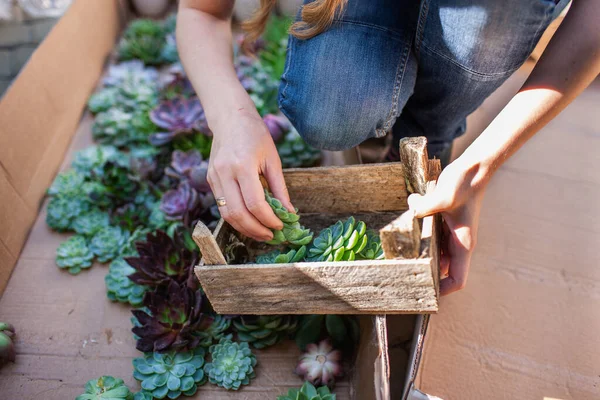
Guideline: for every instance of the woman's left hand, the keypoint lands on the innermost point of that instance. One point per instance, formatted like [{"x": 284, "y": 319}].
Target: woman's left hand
[{"x": 457, "y": 196}]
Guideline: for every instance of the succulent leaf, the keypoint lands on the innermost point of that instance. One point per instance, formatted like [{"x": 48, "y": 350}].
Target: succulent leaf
[
  {"x": 343, "y": 330},
  {"x": 295, "y": 152},
  {"x": 308, "y": 392},
  {"x": 189, "y": 166},
  {"x": 120, "y": 288},
  {"x": 67, "y": 183},
  {"x": 320, "y": 364},
  {"x": 143, "y": 40},
  {"x": 74, "y": 255},
  {"x": 264, "y": 330},
  {"x": 7, "y": 347},
  {"x": 175, "y": 203},
  {"x": 89, "y": 223},
  {"x": 62, "y": 210},
  {"x": 215, "y": 331},
  {"x": 108, "y": 242},
  {"x": 106, "y": 388},
  {"x": 293, "y": 234},
  {"x": 232, "y": 364}
]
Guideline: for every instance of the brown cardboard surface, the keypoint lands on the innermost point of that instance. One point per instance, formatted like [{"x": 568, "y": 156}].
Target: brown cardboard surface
[{"x": 526, "y": 326}]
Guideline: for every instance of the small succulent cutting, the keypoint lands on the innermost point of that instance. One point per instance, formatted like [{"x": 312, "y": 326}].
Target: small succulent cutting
[
  {"x": 106, "y": 388},
  {"x": 175, "y": 203},
  {"x": 169, "y": 375},
  {"x": 343, "y": 330},
  {"x": 292, "y": 233},
  {"x": 176, "y": 315},
  {"x": 74, "y": 255},
  {"x": 320, "y": 364},
  {"x": 63, "y": 210},
  {"x": 119, "y": 287},
  {"x": 232, "y": 364},
  {"x": 215, "y": 331},
  {"x": 277, "y": 257},
  {"x": 308, "y": 392},
  {"x": 108, "y": 243},
  {"x": 7, "y": 346},
  {"x": 143, "y": 40},
  {"x": 191, "y": 167},
  {"x": 178, "y": 116},
  {"x": 295, "y": 152},
  {"x": 264, "y": 330}
]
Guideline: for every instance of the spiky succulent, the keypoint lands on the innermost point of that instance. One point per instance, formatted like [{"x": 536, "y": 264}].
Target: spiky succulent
[
  {"x": 161, "y": 259},
  {"x": 215, "y": 331},
  {"x": 169, "y": 375},
  {"x": 103, "y": 99},
  {"x": 143, "y": 40},
  {"x": 320, "y": 364},
  {"x": 108, "y": 242},
  {"x": 67, "y": 183},
  {"x": 277, "y": 257},
  {"x": 63, "y": 210},
  {"x": 106, "y": 388},
  {"x": 189, "y": 166},
  {"x": 7, "y": 347},
  {"x": 295, "y": 152},
  {"x": 232, "y": 364},
  {"x": 178, "y": 116},
  {"x": 308, "y": 392},
  {"x": 90, "y": 160},
  {"x": 74, "y": 254},
  {"x": 119, "y": 287},
  {"x": 292, "y": 232},
  {"x": 278, "y": 125},
  {"x": 89, "y": 223},
  {"x": 343, "y": 330},
  {"x": 175, "y": 203},
  {"x": 264, "y": 330},
  {"x": 176, "y": 315}
]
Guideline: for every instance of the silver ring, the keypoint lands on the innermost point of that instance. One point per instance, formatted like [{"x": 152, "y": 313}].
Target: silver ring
[{"x": 221, "y": 201}]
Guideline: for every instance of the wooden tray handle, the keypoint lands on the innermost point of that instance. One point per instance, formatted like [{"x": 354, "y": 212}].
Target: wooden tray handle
[{"x": 211, "y": 252}]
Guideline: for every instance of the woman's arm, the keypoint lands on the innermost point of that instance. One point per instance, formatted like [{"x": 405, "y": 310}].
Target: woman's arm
[
  {"x": 569, "y": 64},
  {"x": 242, "y": 146}
]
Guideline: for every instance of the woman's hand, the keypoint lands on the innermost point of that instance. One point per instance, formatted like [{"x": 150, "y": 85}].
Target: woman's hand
[
  {"x": 241, "y": 151},
  {"x": 457, "y": 196}
]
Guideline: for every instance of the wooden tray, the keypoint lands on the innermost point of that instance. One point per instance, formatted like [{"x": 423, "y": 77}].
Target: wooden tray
[{"x": 406, "y": 282}]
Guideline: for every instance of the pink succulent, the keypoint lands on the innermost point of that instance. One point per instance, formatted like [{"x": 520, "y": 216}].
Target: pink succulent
[
  {"x": 321, "y": 364},
  {"x": 189, "y": 166},
  {"x": 176, "y": 203}
]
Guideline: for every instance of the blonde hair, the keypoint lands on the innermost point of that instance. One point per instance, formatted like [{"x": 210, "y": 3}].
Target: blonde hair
[{"x": 317, "y": 16}]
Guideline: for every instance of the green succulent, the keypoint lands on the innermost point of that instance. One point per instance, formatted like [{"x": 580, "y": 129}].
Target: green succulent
[
  {"x": 295, "y": 152},
  {"x": 373, "y": 250},
  {"x": 119, "y": 287},
  {"x": 292, "y": 233},
  {"x": 143, "y": 395},
  {"x": 343, "y": 330},
  {"x": 62, "y": 211},
  {"x": 108, "y": 243},
  {"x": 344, "y": 241},
  {"x": 232, "y": 364},
  {"x": 215, "y": 331},
  {"x": 143, "y": 39},
  {"x": 171, "y": 374},
  {"x": 264, "y": 330},
  {"x": 98, "y": 194},
  {"x": 91, "y": 159},
  {"x": 112, "y": 127},
  {"x": 103, "y": 99},
  {"x": 308, "y": 392},
  {"x": 136, "y": 92},
  {"x": 74, "y": 254},
  {"x": 67, "y": 183},
  {"x": 89, "y": 223},
  {"x": 106, "y": 388},
  {"x": 118, "y": 184},
  {"x": 277, "y": 257}
]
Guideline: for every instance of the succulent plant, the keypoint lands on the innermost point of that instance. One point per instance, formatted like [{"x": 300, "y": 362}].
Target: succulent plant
[
  {"x": 111, "y": 127},
  {"x": 278, "y": 125},
  {"x": 320, "y": 364},
  {"x": 119, "y": 183},
  {"x": 74, "y": 254},
  {"x": 67, "y": 183},
  {"x": 103, "y": 99},
  {"x": 118, "y": 73},
  {"x": 292, "y": 233},
  {"x": 308, "y": 392},
  {"x": 108, "y": 242},
  {"x": 89, "y": 223},
  {"x": 295, "y": 152},
  {"x": 143, "y": 39},
  {"x": 178, "y": 116},
  {"x": 106, "y": 388},
  {"x": 176, "y": 314},
  {"x": 189, "y": 166},
  {"x": 90, "y": 160},
  {"x": 7, "y": 347},
  {"x": 177, "y": 84},
  {"x": 169, "y": 53},
  {"x": 157, "y": 218},
  {"x": 373, "y": 250},
  {"x": 136, "y": 93},
  {"x": 143, "y": 395},
  {"x": 161, "y": 259},
  {"x": 62, "y": 211},
  {"x": 232, "y": 364},
  {"x": 175, "y": 203},
  {"x": 119, "y": 287},
  {"x": 264, "y": 330},
  {"x": 343, "y": 330},
  {"x": 170, "y": 374},
  {"x": 259, "y": 83},
  {"x": 195, "y": 141},
  {"x": 339, "y": 242},
  {"x": 277, "y": 257},
  {"x": 215, "y": 331}
]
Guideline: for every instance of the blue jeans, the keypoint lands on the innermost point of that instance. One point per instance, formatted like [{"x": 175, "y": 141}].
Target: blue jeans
[{"x": 416, "y": 68}]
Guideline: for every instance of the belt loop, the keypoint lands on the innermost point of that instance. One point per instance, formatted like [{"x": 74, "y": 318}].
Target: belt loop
[{"x": 421, "y": 25}]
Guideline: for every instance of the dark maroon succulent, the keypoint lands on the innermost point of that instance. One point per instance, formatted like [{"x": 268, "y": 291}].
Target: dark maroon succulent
[
  {"x": 175, "y": 315},
  {"x": 278, "y": 125},
  {"x": 189, "y": 166},
  {"x": 162, "y": 259},
  {"x": 175, "y": 203},
  {"x": 178, "y": 116}
]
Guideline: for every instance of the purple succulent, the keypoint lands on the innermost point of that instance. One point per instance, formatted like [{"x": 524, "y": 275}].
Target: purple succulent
[
  {"x": 278, "y": 125},
  {"x": 178, "y": 116},
  {"x": 176, "y": 203},
  {"x": 254, "y": 47},
  {"x": 191, "y": 167}
]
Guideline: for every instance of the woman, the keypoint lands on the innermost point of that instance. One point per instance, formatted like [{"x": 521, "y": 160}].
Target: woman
[{"x": 358, "y": 69}]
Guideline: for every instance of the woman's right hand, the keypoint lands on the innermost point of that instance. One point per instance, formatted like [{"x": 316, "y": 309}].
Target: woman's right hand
[{"x": 242, "y": 150}]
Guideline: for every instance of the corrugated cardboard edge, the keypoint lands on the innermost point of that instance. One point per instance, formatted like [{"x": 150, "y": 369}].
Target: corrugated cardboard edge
[{"x": 40, "y": 112}]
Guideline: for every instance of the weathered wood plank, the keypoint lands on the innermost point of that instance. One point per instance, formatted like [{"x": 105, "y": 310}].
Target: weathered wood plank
[
  {"x": 211, "y": 252},
  {"x": 355, "y": 287},
  {"x": 402, "y": 237},
  {"x": 413, "y": 153}
]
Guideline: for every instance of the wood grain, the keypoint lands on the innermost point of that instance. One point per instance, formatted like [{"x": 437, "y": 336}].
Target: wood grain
[
  {"x": 413, "y": 153},
  {"x": 402, "y": 237},
  {"x": 211, "y": 252}
]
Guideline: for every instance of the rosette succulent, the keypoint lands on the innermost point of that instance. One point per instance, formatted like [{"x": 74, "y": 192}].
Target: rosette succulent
[
  {"x": 119, "y": 287},
  {"x": 106, "y": 388},
  {"x": 373, "y": 250},
  {"x": 232, "y": 364},
  {"x": 264, "y": 330},
  {"x": 118, "y": 73},
  {"x": 320, "y": 364},
  {"x": 292, "y": 232},
  {"x": 177, "y": 84},
  {"x": 67, "y": 183},
  {"x": 277, "y": 257},
  {"x": 295, "y": 152},
  {"x": 169, "y": 53},
  {"x": 136, "y": 93},
  {"x": 178, "y": 116},
  {"x": 112, "y": 127},
  {"x": 343, "y": 330},
  {"x": 176, "y": 315},
  {"x": 143, "y": 40},
  {"x": 108, "y": 243},
  {"x": 74, "y": 255},
  {"x": 258, "y": 82},
  {"x": 161, "y": 259},
  {"x": 143, "y": 395},
  {"x": 308, "y": 392},
  {"x": 278, "y": 125},
  {"x": 63, "y": 210},
  {"x": 215, "y": 331},
  {"x": 189, "y": 166},
  {"x": 90, "y": 160},
  {"x": 119, "y": 183},
  {"x": 89, "y": 223},
  {"x": 7, "y": 346},
  {"x": 175, "y": 203},
  {"x": 103, "y": 99}
]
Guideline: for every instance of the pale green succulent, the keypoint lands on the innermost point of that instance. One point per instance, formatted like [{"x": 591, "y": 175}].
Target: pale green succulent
[
  {"x": 137, "y": 93},
  {"x": 103, "y": 100},
  {"x": 106, "y": 388},
  {"x": 67, "y": 183},
  {"x": 62, "y": 211},
  {"x": 373, "y": 250},
  {"x": 119, "y": 287},
  {"x": 294, "y": 152},
  {"x": 92, "y": 159},
  {"x": 277, "y": 257},
  {"x": 89, "y": 223},
  {"x": 262, "y": 331},
  {"x": 215, "y": 331},
  {"x": 108, "y": 243},
  {"x": 308, "y": 392},
  {"x": 292, "y": 233},
  {"x": 74, "y": 255},
  {"x": 232, "y": 364},
  {"x": 112, "y": 127}
]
